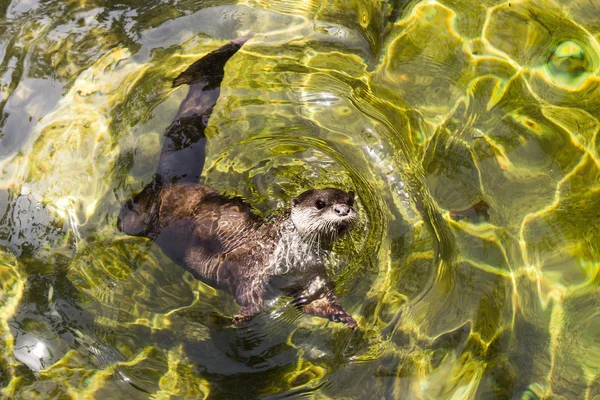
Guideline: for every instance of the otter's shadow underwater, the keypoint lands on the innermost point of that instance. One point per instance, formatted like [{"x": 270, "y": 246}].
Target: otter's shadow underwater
[{"x": 219, "y": 239}]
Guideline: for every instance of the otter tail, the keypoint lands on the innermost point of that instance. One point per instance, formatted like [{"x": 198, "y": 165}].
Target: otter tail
[
  {"x": 183, "y": 152},
  {"x": 209, "y": 68}
]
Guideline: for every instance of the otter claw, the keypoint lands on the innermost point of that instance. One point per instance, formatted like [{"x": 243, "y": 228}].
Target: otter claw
[
  {"x": 345, "y": 318},
  {"x": 352, "y": 324}
]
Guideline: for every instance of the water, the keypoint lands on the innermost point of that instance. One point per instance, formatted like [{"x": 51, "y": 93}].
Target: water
[{"x": 421, "y": 107}]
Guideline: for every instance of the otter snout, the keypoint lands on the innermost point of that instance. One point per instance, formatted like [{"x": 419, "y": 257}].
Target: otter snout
[
  {"x": 324, "y": 213},
  {"x": 341, "y": 209}
]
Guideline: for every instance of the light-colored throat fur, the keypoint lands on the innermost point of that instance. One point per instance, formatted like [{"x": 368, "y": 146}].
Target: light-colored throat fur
[{"x": 295, "y": 253}]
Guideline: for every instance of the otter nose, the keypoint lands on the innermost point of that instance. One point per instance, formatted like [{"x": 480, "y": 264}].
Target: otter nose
[{"x": 341, "y": 209}]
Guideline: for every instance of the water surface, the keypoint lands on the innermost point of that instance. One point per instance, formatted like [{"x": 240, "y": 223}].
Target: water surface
[{"x": 423, "y": 108}]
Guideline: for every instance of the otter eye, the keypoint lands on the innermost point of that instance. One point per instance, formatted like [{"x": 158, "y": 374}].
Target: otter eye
[
  {"x": 351, "y": 199},
  {"x": 320, "y": 204}
]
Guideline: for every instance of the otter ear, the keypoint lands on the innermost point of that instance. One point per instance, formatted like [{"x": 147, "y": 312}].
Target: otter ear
[{"x": 295, "y": 201}]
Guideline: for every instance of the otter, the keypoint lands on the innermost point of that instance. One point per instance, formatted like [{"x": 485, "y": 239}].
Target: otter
[{"x": 218, "y": 239}]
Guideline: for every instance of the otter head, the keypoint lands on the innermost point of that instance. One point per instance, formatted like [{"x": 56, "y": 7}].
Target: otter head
[{"x": 323, "y": 214}]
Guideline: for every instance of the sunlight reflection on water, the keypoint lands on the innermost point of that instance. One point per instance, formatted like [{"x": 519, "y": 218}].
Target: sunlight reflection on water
[{"x": 424, "y": 108}]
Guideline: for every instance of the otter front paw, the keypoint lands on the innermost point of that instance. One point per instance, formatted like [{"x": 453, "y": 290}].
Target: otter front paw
[
  {"x": 240, "y": 319},
  {"x": 301, "y": 300},
  {"x": 345, "y": 318}
]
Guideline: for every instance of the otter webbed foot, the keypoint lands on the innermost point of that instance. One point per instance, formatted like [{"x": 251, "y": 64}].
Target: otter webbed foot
[
  {"x": 318, "y": 299},
  {"x": 328, "y": 307},
  {"x": 301, "y": 300},
  {"x": 241, "y": 319},
  {"x": 247, "y": 313},
  {"x": 345, "y": 318}
]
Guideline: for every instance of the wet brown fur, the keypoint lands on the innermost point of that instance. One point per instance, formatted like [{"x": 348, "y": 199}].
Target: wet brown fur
[{"x": 219, "y": 239}]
